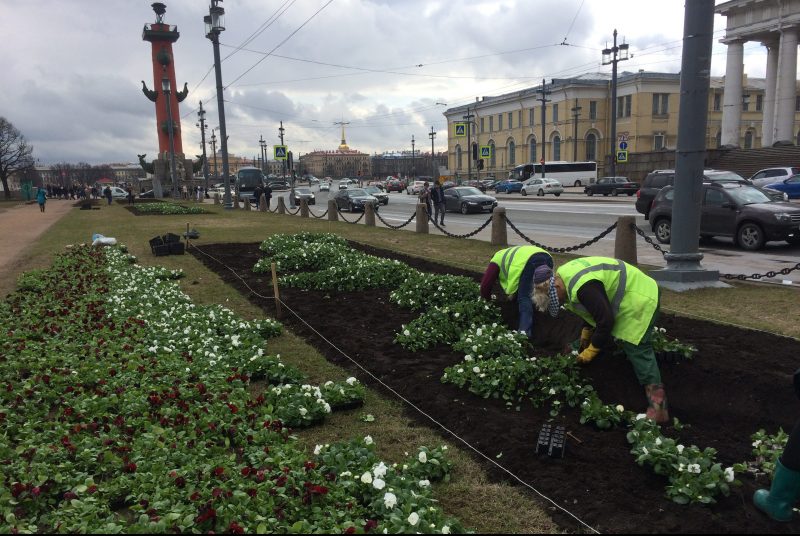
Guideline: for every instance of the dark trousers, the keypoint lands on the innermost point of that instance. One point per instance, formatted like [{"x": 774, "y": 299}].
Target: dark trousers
[{"x": 438, "y": 209}]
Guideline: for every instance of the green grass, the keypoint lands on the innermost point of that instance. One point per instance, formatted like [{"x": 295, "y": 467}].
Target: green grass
[{"x": 482, "y": 505}]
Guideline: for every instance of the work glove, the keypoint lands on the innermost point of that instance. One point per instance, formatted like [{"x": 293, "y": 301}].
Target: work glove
[
  {"x": 588, "y": 354},
  {"x": 586, "y": 338}
]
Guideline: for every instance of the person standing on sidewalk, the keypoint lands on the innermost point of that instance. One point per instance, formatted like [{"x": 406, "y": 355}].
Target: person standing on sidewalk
[
  {"x": 425, "y": 197},
  {"x": 41, "y": 198},
  {"x": 439, "y": 206}
]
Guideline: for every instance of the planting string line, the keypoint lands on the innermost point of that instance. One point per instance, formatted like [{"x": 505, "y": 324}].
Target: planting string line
[
  {"x": 401, "y": 397},
  {"x": 443, "y": 427}
]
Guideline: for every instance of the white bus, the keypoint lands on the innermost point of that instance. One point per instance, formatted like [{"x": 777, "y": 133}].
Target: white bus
[{"x": 567, "y": 173}]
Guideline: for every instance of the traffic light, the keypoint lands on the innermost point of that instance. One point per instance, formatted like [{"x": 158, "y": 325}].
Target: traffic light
[
  {"x": 474, "y": 151},
  {"x": 480, "y": 164}
]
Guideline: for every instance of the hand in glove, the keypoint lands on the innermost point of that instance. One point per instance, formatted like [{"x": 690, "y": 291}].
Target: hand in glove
[
  {"x": 588, "y": 354},
  {"x": 586, "y": 338}
]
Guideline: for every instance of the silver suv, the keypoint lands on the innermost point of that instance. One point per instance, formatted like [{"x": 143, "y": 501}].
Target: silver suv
[{"x": 773, "y": 175}]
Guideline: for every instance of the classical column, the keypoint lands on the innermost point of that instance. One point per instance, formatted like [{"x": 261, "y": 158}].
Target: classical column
[
  {"x": 768, "y": 111},
  {"x": 732, "y": 98},
  {"x": 786, "y": 90}
]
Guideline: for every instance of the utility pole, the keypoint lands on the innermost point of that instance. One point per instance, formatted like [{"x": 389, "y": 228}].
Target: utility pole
[
  {"x": 610, "y": 56},
  {"x": 434, "y": 174},
  {"x": 468, "y": 119},
  {"x": 263, "y": 146},
  {"x": 203, "y": 127},
  {"x": 214, "y": 150},
  {"x": 544, "y": 100},
  {"x": 281, "y": 129},
  {"x": 413, "y": 171},
  {"x": 576, "y": 113}
]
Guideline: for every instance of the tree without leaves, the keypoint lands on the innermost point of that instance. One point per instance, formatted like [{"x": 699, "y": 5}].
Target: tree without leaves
[{"x": 15, "y": 153}]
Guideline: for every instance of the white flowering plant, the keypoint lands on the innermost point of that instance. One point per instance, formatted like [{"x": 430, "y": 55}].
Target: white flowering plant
[
  {"x": 694, "y": 474},
  {"x": 422, "y": 290},
  {"x": 663, "y": 344},
  {"x": 306, "y": 256},
  {"x": 487, "y": 341},
  {"x": 446, "y": 324},
  {"x": 163, "y": 208},
  {"x": 278, "y": 243},
  {"x": 767, "y": 449},
  {"x": 344, "y": 395},
  {"x": 603, "y": 416},
  {"x": 360, "y": 273}
]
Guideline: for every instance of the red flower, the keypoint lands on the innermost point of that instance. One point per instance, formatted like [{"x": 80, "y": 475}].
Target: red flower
[
  {"x": 36, "y": 491},
  {"x": 350, "y": 530},
  {"x": 209, "y": 513},
  {"x": 180, "y": 482},
  {"x": 91, "y": 489},
  {"x": 194, "y": 496},
  {"x": 216, "y": 492},
  {"x": 234, "y": 528},
  {"x": 68, "y": 496},
  {"x": 218, "y": 471},
  {"x": 233, "y": 408},
  {"x": 370, "y": 524},
  {"x": 129, "y": 468},
  {"x": 246, "y": 471}
]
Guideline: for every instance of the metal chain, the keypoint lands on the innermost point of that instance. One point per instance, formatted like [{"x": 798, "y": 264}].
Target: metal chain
[
  {"x": 321, "y": 216},
  {"x": 467, "y": 235},
  {"x": 396, "y": 227},
  {"x": 566, "y": 249},
  {"x": 648, "y": 240},
  {"x": 346, "y": 220},
  {"x": 295, "y": 213}
]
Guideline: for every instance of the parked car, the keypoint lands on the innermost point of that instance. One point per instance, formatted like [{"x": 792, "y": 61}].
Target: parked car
[
  {"x": 313, "y": 180},
  {"x": 542, "y": 187},
  {"x": 480, "y": 185},
  {"x": 305, "y": 193},
  {"x": 353, "y": 199},
  {"x": 487, "y": 184},
  {"x": 508, "y": 186},
  {"x": 344, "y": 184},
  {"x": 415, "y": 187},
  {"x": 278, "y": 185},
  {"x": 466, "y": 199},
  {"x": 448, "y": 184},
  {"x": 732, "y": 209},
  {"x": 611, "y": 186},
  {"x": 658, "y": 179},
  {"x": 394, "y": 185},
  {"x": 324, "y": 186},
  {"x": 377, "y": 193},
  {"x": 117, "y": 192},
  {"x": 768, "y": 176},
  {"x": 790, "y": 186}
]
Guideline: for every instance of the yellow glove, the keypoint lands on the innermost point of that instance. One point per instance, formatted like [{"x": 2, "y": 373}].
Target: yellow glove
[
  {"x": 588, "y": 354},
  {"x": 586, "y": 338}
]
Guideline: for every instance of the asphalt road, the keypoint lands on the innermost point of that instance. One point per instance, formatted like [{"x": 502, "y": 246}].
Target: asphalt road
[{"x": 574, "y": 218}]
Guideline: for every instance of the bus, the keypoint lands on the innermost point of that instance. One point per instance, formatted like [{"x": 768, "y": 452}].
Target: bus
[
  {"x": 567, "y": 173},
  {"x": 247, "y": 178}
]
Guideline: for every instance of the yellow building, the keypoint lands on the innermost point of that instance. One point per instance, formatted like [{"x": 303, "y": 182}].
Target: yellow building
[
  {"x": 340, "y": 163},
  {"x": 577, "y": 122}
]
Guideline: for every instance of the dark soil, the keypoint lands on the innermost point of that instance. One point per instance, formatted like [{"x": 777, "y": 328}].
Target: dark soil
[{"x": 739, "y": 381}]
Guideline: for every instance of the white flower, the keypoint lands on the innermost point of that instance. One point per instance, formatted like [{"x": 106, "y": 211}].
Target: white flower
[
  {"x": 368, "y": 440},
  {"x": 346, "y": 473},
  {"x": 424, "y": 483},
  {"x": 552, "y": 391},
  {"x": 479, "y": 332},
  {"x": 366, "y": 478},
  {"x": 620, "y": 408},
  {"x": 476, "y": 370},
  {"x": 658, "y": 441},
  {"x": 351, "y": 380},
  {"x": 389, "y": 500},
  {"x": 729, "y": 474},
  {"x": 378, "y": 484},
  {"x": 693, "y": 468},
  {"x": 680, "y": 449},
  {"x": 317, "y": 450},
  {"x": 641, "y": 416},
  {"x": 756, "y": 443},
  {"x": 446, "y": 529},
  {"x": 380, "y": 470},
  {"x": 406, "y": 333},
  {"x": 413, "y": 519},
  {"x": 303, "y": 412},
  {"x": 423, "y": 458}
]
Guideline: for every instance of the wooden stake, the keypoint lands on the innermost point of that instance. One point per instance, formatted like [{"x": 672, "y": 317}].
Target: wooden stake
[
  {"x": 276, "y": 291},
  {"x": 573, "y": 437}
]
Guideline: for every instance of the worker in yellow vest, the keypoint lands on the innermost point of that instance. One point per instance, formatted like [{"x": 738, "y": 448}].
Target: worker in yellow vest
[
  {"x": 615, "y": 300},
  {"x": 515, "y": 268}
]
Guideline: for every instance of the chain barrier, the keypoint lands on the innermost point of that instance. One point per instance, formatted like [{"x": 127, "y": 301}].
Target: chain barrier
[
  {"x": 295, "y": 213},
  {"x": 319, "y": 217},
  {"x": 649, "y": 240},
  {"x": 395, "y": 227},
  {"x": 467, "y": 235},
  {"x": 566, "y": 249},
  {"x": 348, "y": 221}
]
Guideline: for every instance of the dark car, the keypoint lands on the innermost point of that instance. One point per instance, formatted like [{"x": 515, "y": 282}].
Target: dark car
[
  {"x": 377, "y": 193},
  {"x": 354, "y": 199},
  {"x": 732, "y": 209},
  {"x": 466, "y": 199},
  {"x": 278, "y": 185},
  {"x": 305, "y": 193},
  {"x": 611, "y": 186},
  {"x": 480, "y": 185}
]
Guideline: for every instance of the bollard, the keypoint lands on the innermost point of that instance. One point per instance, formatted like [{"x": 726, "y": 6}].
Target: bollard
[
  {"x": 625, "y": 242},
  {"x": 369, "y": 215},
  {"x": 333, "y": 214},
  {"x": 247, "y": 203},
  {"x": 304, "y": 208},
  {"x": 216, "y": 199},
  {"x": 281, "y": 206},
  {"x": 499, "y": 232},
  {"x": 422, "y": 218},
  {"x": 262, "y": 203}
]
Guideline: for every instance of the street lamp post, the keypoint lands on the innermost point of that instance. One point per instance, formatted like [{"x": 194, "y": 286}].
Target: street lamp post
[
  {"x": 214, "y": 150},
  {"x": 413, "y": 171},
  {"x": 610, "y": 56},
  {"x": 576, "y": 113},
  {"x": 432, "y": 135},
  {"x": 215, "y": 24},
  {"x": 263, "y": 145},
  {"x": 202, "y": 115},
  {"x": 166, "y": 89}
]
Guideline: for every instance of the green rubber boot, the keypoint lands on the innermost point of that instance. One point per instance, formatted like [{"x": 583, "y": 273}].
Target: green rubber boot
[{"x": 777, "y": 503}]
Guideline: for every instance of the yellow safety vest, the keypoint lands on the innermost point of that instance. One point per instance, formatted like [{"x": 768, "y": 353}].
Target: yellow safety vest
[
  {"x": 632, "y": 293},
  {"x": 511, "y": 262}
]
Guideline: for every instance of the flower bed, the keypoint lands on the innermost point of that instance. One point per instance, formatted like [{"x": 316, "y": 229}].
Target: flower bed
[
  {"x": 162, "y": 208},
  {"x": 126, "y": 407}
]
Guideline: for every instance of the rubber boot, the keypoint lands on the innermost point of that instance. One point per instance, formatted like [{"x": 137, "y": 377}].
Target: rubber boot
[
  {"x": 777, "y": 503},
  {"x": 656, "y": 403}
]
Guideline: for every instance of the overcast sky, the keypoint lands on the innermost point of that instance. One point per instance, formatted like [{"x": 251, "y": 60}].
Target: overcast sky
[{"x": 72, "y": 69}]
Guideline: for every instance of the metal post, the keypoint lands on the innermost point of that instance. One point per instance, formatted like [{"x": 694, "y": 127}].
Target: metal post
[
  {"x": 544, "y": 100},
  {"x": 413, "y": 170},
  {"x": 610, "y": 56},
  {"x": 683, "y": 269},
  {"x": 202, "y": 114},
  {"x": 468, "y": 119},
  {"x": 214, "y": 150},
  {"x": 213, "y": 35},
  {"x": 434, "y": 174},
  {"x": 576, "y": 112},
  {"x": 283, "y": 167}
]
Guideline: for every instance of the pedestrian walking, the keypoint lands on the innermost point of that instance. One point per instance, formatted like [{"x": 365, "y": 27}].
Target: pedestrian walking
[
  {"x": 616, "y": 301},
  {"x": 425, "y": 197},
  {"x": 41, "y": 198},
  {"x": 268, "y": 195},
  {"x": 130, "y": 195},
  {"x": 107, "y": 194},
  {"x": 439, "y": 205}
]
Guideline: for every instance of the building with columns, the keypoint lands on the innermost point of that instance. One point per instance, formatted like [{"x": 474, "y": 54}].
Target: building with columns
[
  {"x": 775, "y": 24},
  {"x": 339, "y": 163}
]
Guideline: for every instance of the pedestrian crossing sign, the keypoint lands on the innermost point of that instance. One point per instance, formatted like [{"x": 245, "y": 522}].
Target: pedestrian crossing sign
[
  {"x": 460, "y": 130},
  {"x": 622, "y": 156},
  {"x": 280, "y": 152},
  {"x": 486, "y": 151}
]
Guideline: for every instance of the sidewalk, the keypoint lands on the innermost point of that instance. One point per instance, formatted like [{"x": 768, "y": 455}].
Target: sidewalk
[{"x": 22, "y": 224}]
